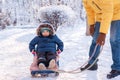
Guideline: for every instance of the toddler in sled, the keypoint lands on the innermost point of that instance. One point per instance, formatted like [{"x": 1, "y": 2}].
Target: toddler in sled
[{"x": 45, "y": 47}]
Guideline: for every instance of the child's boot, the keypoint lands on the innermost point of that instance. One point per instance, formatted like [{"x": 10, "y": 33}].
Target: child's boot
[
  {"x": 42, "y": 66},
  {"x": 52, "y": 64}
]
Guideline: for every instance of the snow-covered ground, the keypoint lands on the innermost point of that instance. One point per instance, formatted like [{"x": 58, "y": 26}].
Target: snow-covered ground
[{"x": 15, "y": 58}]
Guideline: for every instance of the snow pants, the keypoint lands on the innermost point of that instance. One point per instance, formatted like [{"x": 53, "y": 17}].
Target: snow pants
[
  {"x": 114, "y": 41},
  {"x": 45, "y": 57}
]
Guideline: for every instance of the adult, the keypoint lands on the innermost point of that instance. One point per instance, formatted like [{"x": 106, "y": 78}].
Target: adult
[{"x": 101, "y": 15}]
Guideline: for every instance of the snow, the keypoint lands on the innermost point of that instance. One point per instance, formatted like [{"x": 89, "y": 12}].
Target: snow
[{"x": 15, "y": 58}]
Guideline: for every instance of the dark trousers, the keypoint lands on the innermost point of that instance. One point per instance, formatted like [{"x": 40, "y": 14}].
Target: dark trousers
[{"x": 45, "y": 57}]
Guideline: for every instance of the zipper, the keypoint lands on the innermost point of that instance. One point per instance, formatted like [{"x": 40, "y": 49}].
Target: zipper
[{"x": 96, "y": 5}]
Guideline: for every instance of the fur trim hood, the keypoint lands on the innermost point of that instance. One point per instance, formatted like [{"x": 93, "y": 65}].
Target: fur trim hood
[{"x": 45, "y": 25}]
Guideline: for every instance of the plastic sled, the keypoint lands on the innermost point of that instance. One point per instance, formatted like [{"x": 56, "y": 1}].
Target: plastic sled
[
  {"x": 44, "y": 73},
  {"x": 35, "y": 72}
]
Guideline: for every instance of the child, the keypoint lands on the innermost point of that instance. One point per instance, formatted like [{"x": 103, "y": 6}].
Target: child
[{"x": 46, "y": 45}]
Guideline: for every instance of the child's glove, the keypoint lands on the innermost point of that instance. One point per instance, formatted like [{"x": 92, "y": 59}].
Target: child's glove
[
  {"x": 59, "y": 51},
  {"x": 33, "y": 52}
]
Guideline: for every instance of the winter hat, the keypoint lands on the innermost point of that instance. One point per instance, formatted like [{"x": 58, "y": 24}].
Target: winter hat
[{"x": 46, "y": 26}]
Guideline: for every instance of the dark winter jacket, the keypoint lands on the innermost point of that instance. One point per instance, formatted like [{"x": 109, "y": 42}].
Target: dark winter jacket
[{"x": 46, "y": 44}]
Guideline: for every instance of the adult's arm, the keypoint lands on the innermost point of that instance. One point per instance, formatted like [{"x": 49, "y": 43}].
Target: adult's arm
[
  {"x": 107, "y": 14},
  {"x": 90, "y": 13}
]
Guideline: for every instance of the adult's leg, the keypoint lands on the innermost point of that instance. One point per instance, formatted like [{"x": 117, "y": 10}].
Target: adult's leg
[
  {"x": 115, "y": 44},
  {"x": 93, "y": 45},
  {"x": 92, "y": 48}
]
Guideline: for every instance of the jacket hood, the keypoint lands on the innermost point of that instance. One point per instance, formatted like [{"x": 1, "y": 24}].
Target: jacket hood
[{"x": 45, "y": 25}]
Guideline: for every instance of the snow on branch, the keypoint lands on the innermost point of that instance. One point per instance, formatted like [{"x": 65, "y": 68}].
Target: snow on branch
[
  {"x": 4, "y": 20},
  {"x": 57, "y": 15}
]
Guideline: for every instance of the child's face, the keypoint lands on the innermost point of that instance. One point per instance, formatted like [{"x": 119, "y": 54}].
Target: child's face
[{"x": 45, "y": 33}]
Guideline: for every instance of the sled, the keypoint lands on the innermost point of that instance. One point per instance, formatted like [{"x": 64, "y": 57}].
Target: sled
[
  {"x": 44, "y": 73},
  {"x": 36, "y": 72}
]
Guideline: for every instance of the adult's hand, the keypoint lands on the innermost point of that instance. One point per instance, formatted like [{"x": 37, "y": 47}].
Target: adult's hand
[
  {"x": 92, "y": 29},
  {"x": 101, "y": 39}
]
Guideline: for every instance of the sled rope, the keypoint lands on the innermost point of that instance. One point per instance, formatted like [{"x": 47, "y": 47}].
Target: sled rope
[{"x": 78, "y": 69}]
